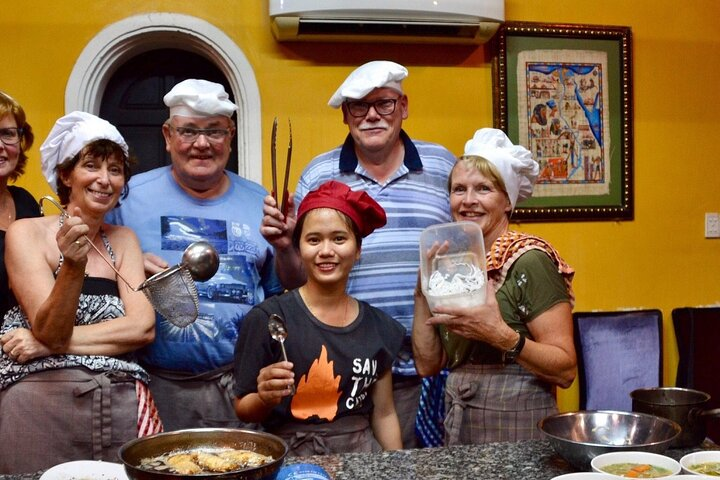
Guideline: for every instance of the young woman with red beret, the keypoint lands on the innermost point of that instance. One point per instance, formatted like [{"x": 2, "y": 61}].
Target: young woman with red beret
[{"x": 334, "y": 394}]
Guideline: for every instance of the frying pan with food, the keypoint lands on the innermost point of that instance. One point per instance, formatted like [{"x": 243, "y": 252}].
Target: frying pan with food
[{"x": 135, "y": 452}]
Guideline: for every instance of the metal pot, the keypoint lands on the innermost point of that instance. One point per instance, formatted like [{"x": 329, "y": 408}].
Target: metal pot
[
  {"x": 682, "y": 405},
  {"x": 134, "y": 451}
]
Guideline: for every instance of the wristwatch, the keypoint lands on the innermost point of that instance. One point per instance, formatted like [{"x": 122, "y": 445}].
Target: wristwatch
[{"x": 509, "y": 356}]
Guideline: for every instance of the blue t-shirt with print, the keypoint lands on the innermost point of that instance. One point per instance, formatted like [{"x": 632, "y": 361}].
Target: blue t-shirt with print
[{"x": 166, "y": 220}]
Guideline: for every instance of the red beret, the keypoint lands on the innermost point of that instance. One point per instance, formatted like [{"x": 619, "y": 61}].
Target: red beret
[{"x": 365, "y": 212}]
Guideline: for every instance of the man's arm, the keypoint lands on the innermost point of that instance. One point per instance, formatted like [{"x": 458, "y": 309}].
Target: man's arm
[{"x": 278, "y": 231}]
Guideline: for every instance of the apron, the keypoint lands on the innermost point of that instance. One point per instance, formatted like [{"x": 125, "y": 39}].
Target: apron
[
  {"x": 347, "y": 434},
  {"x": 70, "y": 407},
  {"x": 56, "y": 416},
  {"x": 203, "y": 400},
  {"x": 495, "y": 403}
]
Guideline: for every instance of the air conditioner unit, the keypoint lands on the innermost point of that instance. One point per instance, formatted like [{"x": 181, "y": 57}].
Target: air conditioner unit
[{"x": 404, "y": 21}]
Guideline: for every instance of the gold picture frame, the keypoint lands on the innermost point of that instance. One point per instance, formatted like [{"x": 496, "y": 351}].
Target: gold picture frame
[{"x": 565, "y": 92}]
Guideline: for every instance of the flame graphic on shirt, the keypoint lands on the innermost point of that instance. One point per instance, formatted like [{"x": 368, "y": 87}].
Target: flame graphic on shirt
[{"x": 317, "y": 392}]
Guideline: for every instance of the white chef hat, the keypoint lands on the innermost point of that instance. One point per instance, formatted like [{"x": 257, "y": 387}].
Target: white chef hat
[
  {"x": 366, "y": 78},
  {"x": 514, "y": 162},
  {"x": 199, "y": 98},
  {"x": 69, "y": 135}
]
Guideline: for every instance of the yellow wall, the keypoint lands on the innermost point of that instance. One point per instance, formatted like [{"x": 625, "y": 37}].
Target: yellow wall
[{"x": 659, "y": 260}]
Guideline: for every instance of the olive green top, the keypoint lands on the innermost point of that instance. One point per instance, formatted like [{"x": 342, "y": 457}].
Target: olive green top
[{"x": 532, "y": 286}]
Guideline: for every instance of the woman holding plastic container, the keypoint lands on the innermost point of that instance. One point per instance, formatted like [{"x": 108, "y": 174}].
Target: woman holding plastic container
[{"x": 505, "y": 356}]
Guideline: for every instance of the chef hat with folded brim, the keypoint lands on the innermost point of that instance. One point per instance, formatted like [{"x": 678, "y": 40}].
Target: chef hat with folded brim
[
  {"x": 368, "y": 77},
  {"x": 514, "y": 162},
  {"x": 199, "y": 98},
  {"x": 362, "y": 209},
  {"x": 69, "y": 136}
]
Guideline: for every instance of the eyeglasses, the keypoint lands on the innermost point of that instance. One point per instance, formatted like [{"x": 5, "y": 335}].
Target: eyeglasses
[
  {"x": 190, "y": 135},
  {"x": 384, "y": 106},
  {"x": 11, "y": 136}
]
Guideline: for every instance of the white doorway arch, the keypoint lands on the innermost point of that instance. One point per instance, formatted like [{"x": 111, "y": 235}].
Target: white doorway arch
[{"x": 123, "y": 40}]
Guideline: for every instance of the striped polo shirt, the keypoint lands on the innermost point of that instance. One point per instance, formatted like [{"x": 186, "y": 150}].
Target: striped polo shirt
[{"x": 414, "y": 197}]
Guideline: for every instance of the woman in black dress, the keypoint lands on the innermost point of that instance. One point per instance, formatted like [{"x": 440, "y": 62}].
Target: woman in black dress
[{"x": 16, "y": 137}]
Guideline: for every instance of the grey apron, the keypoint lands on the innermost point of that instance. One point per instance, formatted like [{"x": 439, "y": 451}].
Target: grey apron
[
  {"x": 85, "y": 416},
  {"x": 346, "y": 434}
]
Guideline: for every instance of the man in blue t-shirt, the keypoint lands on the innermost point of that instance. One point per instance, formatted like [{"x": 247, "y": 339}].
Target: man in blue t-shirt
[
  {"x": 408, "y": 178},
  {"x": 193, "y": 199}
]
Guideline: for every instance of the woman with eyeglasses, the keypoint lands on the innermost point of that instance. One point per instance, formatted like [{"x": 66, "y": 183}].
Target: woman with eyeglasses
[
  {"x": 16, "y": 137},
  {"x": 507, "y": 356}
]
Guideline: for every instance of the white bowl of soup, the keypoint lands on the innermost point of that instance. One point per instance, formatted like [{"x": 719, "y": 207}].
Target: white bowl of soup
[
  {"x": 690, "y": 476},
  {"x": 585, "y": 476},
  {"x": 702, "y": 463},
  {"x": 635, "y": 465}
]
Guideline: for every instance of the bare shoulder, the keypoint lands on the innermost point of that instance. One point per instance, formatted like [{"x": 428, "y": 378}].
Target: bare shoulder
[
  {"x": 36, "y": 235},
  {"x": 120, "y": 234},
  {"x": 32, "y": 229},
  {"x": 124, "y": 243}
]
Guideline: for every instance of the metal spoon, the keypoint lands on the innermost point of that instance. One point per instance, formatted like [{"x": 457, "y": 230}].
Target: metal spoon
[{"x": 278, "y": 332}]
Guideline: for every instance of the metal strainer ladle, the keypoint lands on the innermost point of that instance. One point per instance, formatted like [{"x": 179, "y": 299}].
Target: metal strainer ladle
[{"x": 172, "y": 292}]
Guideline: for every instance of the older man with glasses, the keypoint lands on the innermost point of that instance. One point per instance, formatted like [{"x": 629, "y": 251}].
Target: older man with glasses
[
  {"x": 196, "y": 198},
  {"x": 408, "y": 178}
]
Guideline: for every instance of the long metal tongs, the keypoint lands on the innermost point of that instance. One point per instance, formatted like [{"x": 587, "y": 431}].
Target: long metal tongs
[
  {"x": 273, "y": 158},
  {"x": 67, "y": 215}
]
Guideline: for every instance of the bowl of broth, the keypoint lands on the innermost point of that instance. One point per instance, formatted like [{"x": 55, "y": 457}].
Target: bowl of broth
[
  {"x": 584, "y": 476},
  {"x": 634, "y": 464},
  {"x": 705, "y": 463}
]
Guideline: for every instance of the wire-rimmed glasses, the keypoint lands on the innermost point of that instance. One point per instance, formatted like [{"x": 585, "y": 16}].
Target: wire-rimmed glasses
[
  {"x": 191, "y": 134},
  {"x": 384, "y": 106},
  {"x": 11, "y": 135}
]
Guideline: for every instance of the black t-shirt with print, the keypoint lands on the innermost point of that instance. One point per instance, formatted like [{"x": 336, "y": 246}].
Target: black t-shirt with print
[{"x": 334, "y": 367}]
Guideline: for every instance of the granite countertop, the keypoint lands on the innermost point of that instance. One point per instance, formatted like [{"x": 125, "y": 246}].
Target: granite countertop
[
  {"x": 531, "y": 460},
  {"x": 534, "y": 459}
]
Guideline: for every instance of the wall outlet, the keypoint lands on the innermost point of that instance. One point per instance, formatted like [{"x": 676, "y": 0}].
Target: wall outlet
[{"x": 712, "y": 225}]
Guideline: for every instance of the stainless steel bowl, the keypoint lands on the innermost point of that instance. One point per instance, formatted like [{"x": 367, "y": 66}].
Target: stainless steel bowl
[
  {"x": 134, "y": 451},
  {"x": 581, "y": 436}
]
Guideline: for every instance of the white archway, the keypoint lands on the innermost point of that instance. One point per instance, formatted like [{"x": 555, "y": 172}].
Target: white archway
[{"x": 134, "y": 35}]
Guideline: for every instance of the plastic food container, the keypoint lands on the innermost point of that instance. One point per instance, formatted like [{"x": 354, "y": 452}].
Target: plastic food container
[{"x": 452, "y": 265}]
